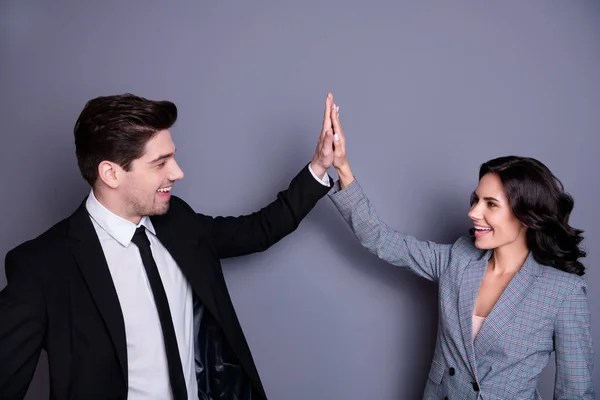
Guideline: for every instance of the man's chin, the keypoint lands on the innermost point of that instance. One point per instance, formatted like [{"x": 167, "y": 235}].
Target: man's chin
[{"x": 162, "y": 210}]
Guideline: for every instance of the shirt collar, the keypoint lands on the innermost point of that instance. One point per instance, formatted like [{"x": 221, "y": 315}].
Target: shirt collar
[{"x": 119, "y": 228}]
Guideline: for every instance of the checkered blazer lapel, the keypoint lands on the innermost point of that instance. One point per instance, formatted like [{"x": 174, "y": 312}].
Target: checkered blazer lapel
[
  {"x": 509, "y": 303},
  {"x": 470, "y": 283}
]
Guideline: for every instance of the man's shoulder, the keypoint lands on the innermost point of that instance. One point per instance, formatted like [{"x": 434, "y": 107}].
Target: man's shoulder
[
  {"x": 43, "y": 245},
  {"x": 37, "y": 258},
  {"x": 180, "y": 208},
  {"x": 177, "y": 204},
  {"x": 179, "y": 216}
]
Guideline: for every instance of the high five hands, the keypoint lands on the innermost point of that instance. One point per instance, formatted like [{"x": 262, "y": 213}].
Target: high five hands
[{"x": 331, "y": 148}]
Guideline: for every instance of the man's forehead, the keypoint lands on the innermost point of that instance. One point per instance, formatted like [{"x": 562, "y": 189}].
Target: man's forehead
[{"x": 160, "y": 144}]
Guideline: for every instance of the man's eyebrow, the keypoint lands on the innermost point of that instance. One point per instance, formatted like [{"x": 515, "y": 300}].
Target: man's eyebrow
[{"x": 162, "y": 157}]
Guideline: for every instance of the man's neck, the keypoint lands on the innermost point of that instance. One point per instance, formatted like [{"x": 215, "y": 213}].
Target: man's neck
[{"x": 114, "y": 206}]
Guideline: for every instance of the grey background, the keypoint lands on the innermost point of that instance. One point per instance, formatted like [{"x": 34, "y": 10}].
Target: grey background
[{"x": 427, "y": 91}]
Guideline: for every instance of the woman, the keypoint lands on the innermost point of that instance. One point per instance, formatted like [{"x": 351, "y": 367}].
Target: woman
[{"x": 510, "y": 294}]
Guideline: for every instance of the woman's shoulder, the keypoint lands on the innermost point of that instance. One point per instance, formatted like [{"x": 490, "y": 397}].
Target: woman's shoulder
[
  {"x": 464, "y": 247},
  {"x": 561, "y": 281}
]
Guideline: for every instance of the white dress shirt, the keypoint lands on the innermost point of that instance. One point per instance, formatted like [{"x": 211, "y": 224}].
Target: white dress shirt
[{"x": 146, "y": 357}]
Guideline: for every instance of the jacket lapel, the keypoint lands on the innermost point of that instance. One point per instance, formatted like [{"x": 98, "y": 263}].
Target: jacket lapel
[
  {"x": 182, "y": 238},
  {"x": 191, "y": 248},
  {"x": 503, "y": 312},
  {"x": 87, "y": 250},
  {"x": 469, "y": 287}
]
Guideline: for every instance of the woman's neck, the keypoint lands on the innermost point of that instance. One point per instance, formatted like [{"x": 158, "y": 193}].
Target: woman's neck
[{"x": 509, "y": 259}]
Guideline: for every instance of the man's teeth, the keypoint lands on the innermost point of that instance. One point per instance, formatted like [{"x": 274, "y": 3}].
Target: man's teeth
[
  {"x": 480, "y": 228},
  {"x": 165, "y": 190}
]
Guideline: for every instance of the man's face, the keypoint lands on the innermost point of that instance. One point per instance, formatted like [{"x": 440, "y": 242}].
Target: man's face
[{"x": 146, "y": 188}]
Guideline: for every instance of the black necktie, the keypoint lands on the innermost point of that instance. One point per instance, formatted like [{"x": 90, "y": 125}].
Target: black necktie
[{"x": 162, "y": 305}]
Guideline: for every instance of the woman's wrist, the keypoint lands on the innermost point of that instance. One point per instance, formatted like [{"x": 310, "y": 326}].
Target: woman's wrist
[{"x": 345, "y": 175}]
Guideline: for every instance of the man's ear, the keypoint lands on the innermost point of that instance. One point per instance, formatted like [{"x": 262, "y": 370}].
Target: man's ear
[{"x": 110, "y": 173}]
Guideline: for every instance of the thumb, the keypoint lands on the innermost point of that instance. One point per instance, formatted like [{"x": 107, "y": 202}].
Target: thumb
[{"x": 328, "y": 142}]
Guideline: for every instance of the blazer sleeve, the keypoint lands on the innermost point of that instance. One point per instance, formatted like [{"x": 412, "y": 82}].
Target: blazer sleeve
[
  {"x": 236, "y": 236},
  {"x": 574, "y": 348},
  {"x": 424, "y": 258},
  {"x": 22, "y": 328}
]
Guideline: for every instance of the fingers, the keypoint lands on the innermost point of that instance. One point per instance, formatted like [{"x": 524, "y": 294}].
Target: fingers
[
  {"x": 326, "y": 137},
  {"x": 339, "y": 139},
  {"x": 339, "y": 150},
  {"x": 327, "y": 116},
  {"x": 337, "y": 126},
  {"x": 328, "y": 143}
]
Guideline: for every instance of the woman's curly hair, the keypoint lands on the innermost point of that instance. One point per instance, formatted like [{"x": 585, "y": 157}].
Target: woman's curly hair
[{"x": 537, "y": 198}]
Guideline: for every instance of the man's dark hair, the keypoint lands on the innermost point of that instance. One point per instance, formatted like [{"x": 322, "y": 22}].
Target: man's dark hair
[{"x": 117, "y": 128}]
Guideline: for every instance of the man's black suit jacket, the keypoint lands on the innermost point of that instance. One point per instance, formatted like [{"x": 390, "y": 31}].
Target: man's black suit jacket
[{"x": 60, "y": 297}]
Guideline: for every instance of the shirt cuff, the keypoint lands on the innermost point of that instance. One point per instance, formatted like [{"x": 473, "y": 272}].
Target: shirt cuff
[{"x": 323, "y": 181}]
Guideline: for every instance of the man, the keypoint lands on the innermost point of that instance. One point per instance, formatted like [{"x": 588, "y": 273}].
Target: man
[{"x": 127, "y": 295}]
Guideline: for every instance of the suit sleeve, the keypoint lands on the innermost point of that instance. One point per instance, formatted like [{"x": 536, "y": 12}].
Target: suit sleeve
[
  {"x": 22, "y": 328},
  {"x": 424, "y": 258},
  {"x": 574, "y": 348},
  {"x": 236, "y": 236}
]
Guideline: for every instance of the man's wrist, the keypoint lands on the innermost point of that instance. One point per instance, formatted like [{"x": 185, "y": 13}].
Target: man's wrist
[{"x": 318, "y": 169}]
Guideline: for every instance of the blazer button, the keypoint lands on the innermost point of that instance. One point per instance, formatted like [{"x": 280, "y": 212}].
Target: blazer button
[
  {"x": 475, "y": 386},
  {"x": 451, "y": 371}
]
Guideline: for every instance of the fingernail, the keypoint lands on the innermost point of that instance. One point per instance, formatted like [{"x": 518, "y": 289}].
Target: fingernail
[
  {"x": 336, "y": 137},
  {"x": 337, "y": 108}
]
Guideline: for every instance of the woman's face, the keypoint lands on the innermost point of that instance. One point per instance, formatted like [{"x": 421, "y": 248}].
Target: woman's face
[{"x": 494, "y": 222}]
